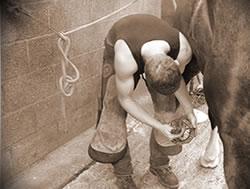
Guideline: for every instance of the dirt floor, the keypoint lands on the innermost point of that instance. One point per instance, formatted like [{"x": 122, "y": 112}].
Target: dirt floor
[{"x": 186, "y": 165}]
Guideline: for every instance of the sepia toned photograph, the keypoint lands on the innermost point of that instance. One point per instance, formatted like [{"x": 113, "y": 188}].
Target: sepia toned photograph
[{"x": 125, "y": 94}]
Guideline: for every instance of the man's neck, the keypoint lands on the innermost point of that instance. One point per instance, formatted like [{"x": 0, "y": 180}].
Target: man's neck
[{"x": 154, "y": 47}]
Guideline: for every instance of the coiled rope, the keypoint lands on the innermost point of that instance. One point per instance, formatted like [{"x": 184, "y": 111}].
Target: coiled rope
[{"x": 66, "y": 81}]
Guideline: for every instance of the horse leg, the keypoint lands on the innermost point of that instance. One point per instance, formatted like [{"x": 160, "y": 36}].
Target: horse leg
[
  {"x": 235, "y": 137},
  {"x": 211, "y": 155}
]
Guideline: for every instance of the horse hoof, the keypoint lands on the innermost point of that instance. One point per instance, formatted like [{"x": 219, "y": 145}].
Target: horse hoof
[{"x": 209, "y": 163}]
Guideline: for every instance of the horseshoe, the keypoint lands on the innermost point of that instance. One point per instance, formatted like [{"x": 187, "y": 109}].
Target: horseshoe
[{"x": 189, "y": 131}]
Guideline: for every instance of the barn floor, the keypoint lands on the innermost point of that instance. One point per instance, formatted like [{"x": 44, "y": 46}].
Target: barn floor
[{"x": 186, "y": 165}]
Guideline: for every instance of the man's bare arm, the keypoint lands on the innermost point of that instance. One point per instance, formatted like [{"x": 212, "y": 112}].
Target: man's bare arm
[
  {"x": 125, "y": 67},
  {"x": 185, "y": 53},
  {"x": 186, "y": 102}
]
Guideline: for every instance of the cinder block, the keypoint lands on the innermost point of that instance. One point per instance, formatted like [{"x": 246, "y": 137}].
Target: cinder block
[
  {"x": 100, "y": 8},
  {"x": 17, "y": 126},
  {"x": 33, "y": 148},
  {"x": 9, "y": 32},
  {"x": 65, "y": 15},
  {"x": 152, "y": 7},
  {"x": 89, "y": 64},
  {"x": 13, "y": 95},
  {"x": 43, "y": 52},
  {"x": 83, "y": 118},
  {"x": 22, "y": 26},
  {"x": 14, "y": 60},
  {"x": 28, "y": 89},
  {"x": 81, "y": 41},
  {"x": 102, "y": 28},
  {"x": 135, "y": 8},
  {"x": 48, "y": 111},
  {"x": 92, "y": 38},
  {"x": 85, "y": 92},
  {"x": 6, "y": 165},
  {"x": 99, "y": 60},
  {"x": 86, "y": 65},
  {"x": 85, "y": 41},
  {"x": 125, "y": 2}
]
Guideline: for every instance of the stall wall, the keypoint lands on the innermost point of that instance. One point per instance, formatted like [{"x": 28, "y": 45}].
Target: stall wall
[{"x": 36, "y": 116}]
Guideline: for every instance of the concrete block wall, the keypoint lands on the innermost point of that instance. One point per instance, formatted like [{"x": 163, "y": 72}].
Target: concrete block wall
[{"x": 36, "y": 117}]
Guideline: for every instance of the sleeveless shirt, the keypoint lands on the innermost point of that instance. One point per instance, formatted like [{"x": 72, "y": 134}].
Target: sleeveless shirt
[{"x": 138, "y": 29}]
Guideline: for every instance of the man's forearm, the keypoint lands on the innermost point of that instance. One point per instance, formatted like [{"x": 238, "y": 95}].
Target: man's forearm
[
  {"x": 184, "y": 98},
  {"x": 139, "y": 113},
  {"x": 181, "y": 66},
  {"x": 185, "y": 53}
]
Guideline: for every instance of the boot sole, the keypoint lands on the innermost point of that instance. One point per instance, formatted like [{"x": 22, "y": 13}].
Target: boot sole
[{"x": 163, "y": 183}]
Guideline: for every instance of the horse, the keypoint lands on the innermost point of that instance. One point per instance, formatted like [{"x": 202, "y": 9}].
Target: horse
[{"x": 218, "y": 31}]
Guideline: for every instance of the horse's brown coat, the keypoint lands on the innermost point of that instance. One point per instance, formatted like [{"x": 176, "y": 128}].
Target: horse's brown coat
[{"x": 218, "y": 31}]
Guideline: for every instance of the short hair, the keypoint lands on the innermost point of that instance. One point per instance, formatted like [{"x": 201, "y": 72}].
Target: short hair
[{"x": 162, "y": 74}]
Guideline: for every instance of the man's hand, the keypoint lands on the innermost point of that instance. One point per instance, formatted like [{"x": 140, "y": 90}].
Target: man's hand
[
  {"x": 191, "y": 117},
  {"x": 166, "y": 130}
]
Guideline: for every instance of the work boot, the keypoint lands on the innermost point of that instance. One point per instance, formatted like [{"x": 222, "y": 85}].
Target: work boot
[
  {"x": 125, "y": 182},
  {"x": 165, "y": 176}
]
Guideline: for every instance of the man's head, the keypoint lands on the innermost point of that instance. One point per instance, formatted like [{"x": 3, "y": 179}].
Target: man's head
[{"x": 162, "y": 74}]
